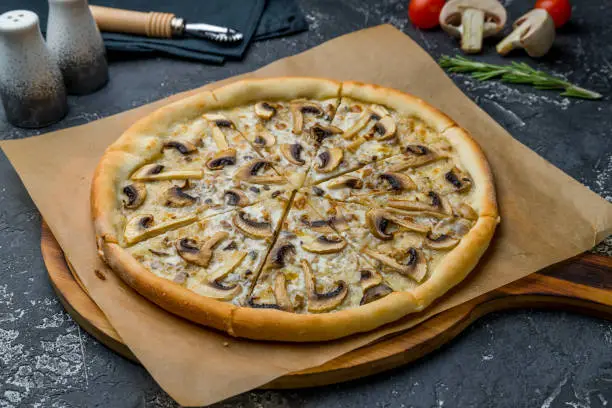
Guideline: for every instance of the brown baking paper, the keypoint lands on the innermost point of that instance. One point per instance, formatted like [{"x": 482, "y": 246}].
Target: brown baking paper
[{"x": 546, "y": 217}]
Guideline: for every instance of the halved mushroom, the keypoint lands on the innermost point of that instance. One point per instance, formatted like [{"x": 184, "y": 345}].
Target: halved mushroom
[
  {"x": 143, "y": 226},
  {"x": 320, "y": 132},
  {"x": 252, "y": 228},
  {"x": 265, "y": 110},
  {"x": 329, "y": 160},
  {"x": 175, "y": 197},
  {"x": 438, "y": 206},
  {"x": 385, "y": 128},
  {"x": 293, "y": 153},
  {"x": 414, "y": 265},
  {"x": 398, "y": 181},
  {"x": 322, "y": 302},
  {"x": 219, "y": 120},
  {"x": 374, "y": 293},
  {"x": 151, "y": 172},
  {"x": 379, "y": 220},
  {"x": 280, "y": 293},
  {"x": 264, "y": 139},
  {"x": 136, "y": 194},
  {"x": 249, "y": 172},
  {"x": 534, "y": 31},
  {"x": 351, "y": 182},
  {"x": 472, "y": 20},
  {"x": 183, "y": 147},
  {"x": 414, "y": 156},
  {"x": 198, "y": 253},
  {"x": 440, "y": 242},
  {"x": 298, "y": 109},
  {"x": 325, "y": 244},
  {"x": 458, "y": 179},
  {"x": 280, "y": 254},
  {"x": 236, "y": 197},
  {"x": 465, "y": 211},
  {"x": 369, "y": 278},
  {"x": 221, "y": 159}
]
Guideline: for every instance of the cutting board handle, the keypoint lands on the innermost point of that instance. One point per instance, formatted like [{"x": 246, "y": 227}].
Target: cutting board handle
[{"x": 151, "y": 24}]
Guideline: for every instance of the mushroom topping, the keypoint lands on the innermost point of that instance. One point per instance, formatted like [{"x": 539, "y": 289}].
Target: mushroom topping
[
  {"x": 413, "y": 266},
  {"x": 264, "y": 139},
  {"x": 377, "y": 112},
  {"x": 374, "y": 112},
  {"x": 143, "y": 226},
  {"x": 329, "y": 160},
  {"x": 459, "y": 180},
  {"x": 325, "y": 244},
  {"x": 183, "y": 148},
  {"x": 380, "y": 220},
  {"x": 322, "y": 226},
  {"x": 398, "y": 181},
  {"x": 472, "y": 20},
  {"x": 176, "y": 197},
  {"x": 252, "y": 228},
  {"x": 279, "y": 254},
  {"x": 298, "y": 109},
  {"x": 321, "y": 132},
  {"x": 219, "y": 120},
  {"x": 438, "y": 205},
  {"x": 322, "y": 302},
  {"x": 136, "y": 194},
  {"x": 265, "y": 110},
  {"x": 374, "y": 293},
  {"x": 236, "y": 197},
  {"x": 150, "y": 172},
  {"x": 219, "y": 138},
  {"x": 197, "y": 253},
  {"x": 465, "y": 211},
  {"x": 534, "y": 31},
  {"x": 385, "y": 128},
  {"x": 415, "y": 156},
  {"x": 293, "y": 153},
  {"x": 454, "y": 227},
  {"x": 351, "y": 182},
  {"x": 249, "y": 172},
  {"x": 369, "y": 278},
  {"x": 440, "y": 242},
  {"x": 221, "y": 159},
  {"x": 280, "y": 293},
  {"x": 218, "y": 290}
]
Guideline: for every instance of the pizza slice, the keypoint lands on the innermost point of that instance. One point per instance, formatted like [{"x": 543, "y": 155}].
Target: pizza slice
[{"x": 217, "y": 257}]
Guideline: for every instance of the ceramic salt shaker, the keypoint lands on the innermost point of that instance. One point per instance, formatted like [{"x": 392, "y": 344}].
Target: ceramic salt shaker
[
  {"x": 75, "y": 41},
  {"x": 31, "y": 85}
]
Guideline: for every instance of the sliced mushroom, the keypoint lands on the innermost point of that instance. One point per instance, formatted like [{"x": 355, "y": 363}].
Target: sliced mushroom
[
  {"x": 229, "y": 265},
  {"x": 414, "y": 265},
  {"x": 325, "y": 244},
  {"x": 252, "y": 228},
  {"x": 465, "y": 211},
  {"x": 329, "y": 160},
  {"x": 136, "y": 194},
  {"x": 385, "y": 128},
  {"x": 265, "y": 110},
  {"x": 198, "y": 253},
  {"x": 369, "y": 278},
  {"x": 280, "y": 293},
  {"x": 472, "y": 20},
  {"x": 293, "y": 153},
  {"x": 374, "y": 293},
  {"x": 398, "y": 182},
  {"x": 377, "y": 112},
  {"x": 534, "y": 31},
  {"x": 249, "y": 172},
  {"x": 321, "y": 226},
  {"x": 352, "y": 182},
  {"x": 219, "y": 291},
  {"x": 458, "y": 179},
  {"x": 183, "y": 148},
  {"x": 219, "y": 138},
  {"x": 175, "y": 197},
  {"x": 219, "y": 120},
  {"x": 361, "y": 123},
  {"x": 264, "y": 139},
  {"x": 320, "y": 132},
  {"x": 279, "y": 254},
  {"x": 221, "y": 159},
  {"x": 236, "y": 197},
  {"x": 440, "y": 242},
  {"x": 380, "y": 220},
  {"x": 298, "y": 109},
  {"x": 143, "y": 226},
  {"x": 322, "y": 302},
  {"x": 414, "y": 156},
  {"x": 153, "y": 172},
  {"x": 438, "y": 205},
  {"x": 454, "y": 227}
]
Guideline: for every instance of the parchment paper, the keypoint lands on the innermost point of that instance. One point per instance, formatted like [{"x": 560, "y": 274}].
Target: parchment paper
[{"x": 546, "y": 217}]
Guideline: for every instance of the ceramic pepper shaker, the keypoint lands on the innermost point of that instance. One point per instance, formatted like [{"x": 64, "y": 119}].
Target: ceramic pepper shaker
[
  {"x": 75, "y": 41},
  {"x": 31, "y": 85}
]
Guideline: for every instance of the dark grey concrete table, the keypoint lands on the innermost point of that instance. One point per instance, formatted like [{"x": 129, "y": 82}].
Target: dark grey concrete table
[{"x": 515, "y": 359}]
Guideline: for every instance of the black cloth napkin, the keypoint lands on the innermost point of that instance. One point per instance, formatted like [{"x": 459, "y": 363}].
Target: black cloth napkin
[{"x": 256, "y": 19}]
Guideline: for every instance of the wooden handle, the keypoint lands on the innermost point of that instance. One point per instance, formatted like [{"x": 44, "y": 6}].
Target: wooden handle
[{"x": 151, "y": 24}]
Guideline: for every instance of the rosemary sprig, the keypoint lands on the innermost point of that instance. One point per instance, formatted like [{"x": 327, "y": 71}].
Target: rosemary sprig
[{"x": 516, "y": 73}]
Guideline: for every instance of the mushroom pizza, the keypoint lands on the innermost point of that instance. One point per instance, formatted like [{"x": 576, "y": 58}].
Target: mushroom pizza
[{"x": 294, "y": 209}]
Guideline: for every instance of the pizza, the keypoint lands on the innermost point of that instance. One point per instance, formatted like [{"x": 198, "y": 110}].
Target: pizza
[{"x": 294, "y": 209}]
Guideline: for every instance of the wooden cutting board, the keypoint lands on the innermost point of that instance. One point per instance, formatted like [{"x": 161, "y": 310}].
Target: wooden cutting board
[{"x": 582, "y": 283}]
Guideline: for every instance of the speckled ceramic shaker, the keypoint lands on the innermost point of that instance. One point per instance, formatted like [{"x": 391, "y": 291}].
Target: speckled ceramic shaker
[
  {"x": 31, "y": 85},
  {"x": 75, "y": 41}
]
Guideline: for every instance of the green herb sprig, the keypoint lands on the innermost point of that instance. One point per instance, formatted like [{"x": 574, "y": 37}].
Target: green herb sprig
[{"x": 516, "y": 73}]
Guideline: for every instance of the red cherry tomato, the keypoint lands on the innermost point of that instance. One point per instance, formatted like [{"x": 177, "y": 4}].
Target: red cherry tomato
[
  {"x": 559, "y": 10},
  {"x": 425, "y": 13}
]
